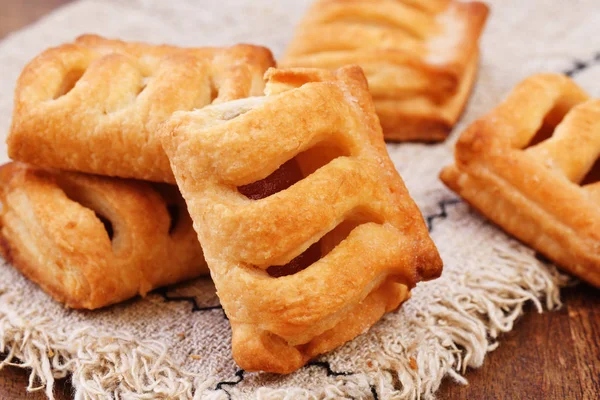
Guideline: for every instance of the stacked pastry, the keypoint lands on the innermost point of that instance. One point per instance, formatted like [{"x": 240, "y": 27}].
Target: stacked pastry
[
  {"x": 307, "y": 228},
  {"x": 95, "y": 105}
]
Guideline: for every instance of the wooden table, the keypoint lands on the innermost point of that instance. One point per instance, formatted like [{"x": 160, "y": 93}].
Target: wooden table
[{"x": 555, "y": 355}]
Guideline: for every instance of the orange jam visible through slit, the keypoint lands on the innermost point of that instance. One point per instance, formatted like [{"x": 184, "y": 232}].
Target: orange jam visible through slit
[{"x": 284, "y": 177}]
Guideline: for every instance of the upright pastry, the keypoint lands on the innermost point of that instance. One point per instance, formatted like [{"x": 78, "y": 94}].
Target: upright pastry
[
  {"x": 94, "y": 106},
  {"x": 531, "y": 166},
  {"x": 91, "y": 241},
  {"x": 420, "y": 57},
  {"x": 307, "y": 227}
]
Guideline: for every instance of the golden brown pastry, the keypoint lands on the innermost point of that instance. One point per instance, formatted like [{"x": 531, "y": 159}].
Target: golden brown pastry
[
  {"x": 531, "y": 166},
  {"x": 307, "y": 227},
  {"x": 91, "y": 241},
  {"x": 420, "y": 57},
  {"x": 94, "y": 106}
]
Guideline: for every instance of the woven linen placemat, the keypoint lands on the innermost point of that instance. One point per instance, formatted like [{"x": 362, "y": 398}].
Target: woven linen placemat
[{"x": 175, "y": 343}]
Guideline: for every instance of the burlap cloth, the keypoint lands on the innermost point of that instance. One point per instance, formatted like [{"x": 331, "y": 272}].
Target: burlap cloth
[{"x": 176, "y": 343}]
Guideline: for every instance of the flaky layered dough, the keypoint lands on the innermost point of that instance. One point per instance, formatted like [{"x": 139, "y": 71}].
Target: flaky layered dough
[
  {"x": 420, "y": 57},
  {"x": 91, "y": 241},
  {"x": 529, "y": 166},
  {"x": 348, "y": 206},
  {"x": 95, "y": 105}
]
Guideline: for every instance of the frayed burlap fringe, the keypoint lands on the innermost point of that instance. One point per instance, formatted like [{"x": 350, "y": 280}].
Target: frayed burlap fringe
[
  {"x": 101, "y": 366},
  {"x": 462, "y": 323},
  {"x": 464, "y": 320}
]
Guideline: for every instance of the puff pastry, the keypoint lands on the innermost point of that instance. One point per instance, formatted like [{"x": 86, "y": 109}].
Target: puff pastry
[
  {"x": 531, "y": 166},
  {"x": 307, "y": 227},
  {"x": 89, "y": 241},
  {"x": 94, "y": 105},
  {"x": 420, "y": 57}
]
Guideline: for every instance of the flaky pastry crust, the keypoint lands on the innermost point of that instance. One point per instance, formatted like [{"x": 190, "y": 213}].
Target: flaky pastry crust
[
  {"x": 524, "y": 166},
  {"x": 91, "y": 241},
  {"x": 349, "y": 204},
  {"x": 420, "y": 57},
  {"x": 94, "y": 106}
]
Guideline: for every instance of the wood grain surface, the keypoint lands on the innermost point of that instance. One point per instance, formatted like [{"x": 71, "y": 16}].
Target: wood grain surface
[{"x": 554, "y": 355}]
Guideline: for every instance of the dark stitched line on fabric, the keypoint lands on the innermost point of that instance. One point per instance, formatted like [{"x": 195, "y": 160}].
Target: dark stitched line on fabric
[
  {"x": 240, "y": 375},
  {"x": 443, "y": 214},
  {"x": 580, "y": 66},
  {"x": 321, "y": 364},
  {"x": 187, "y": 299},
  {"x": 374, "y": 393},
  {"x": 327, "y": 366},
  {"x": 330, "y": 372}
]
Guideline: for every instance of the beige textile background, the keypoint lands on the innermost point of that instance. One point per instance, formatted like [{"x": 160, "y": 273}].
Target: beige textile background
[{"x": 176, "y": 343}]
